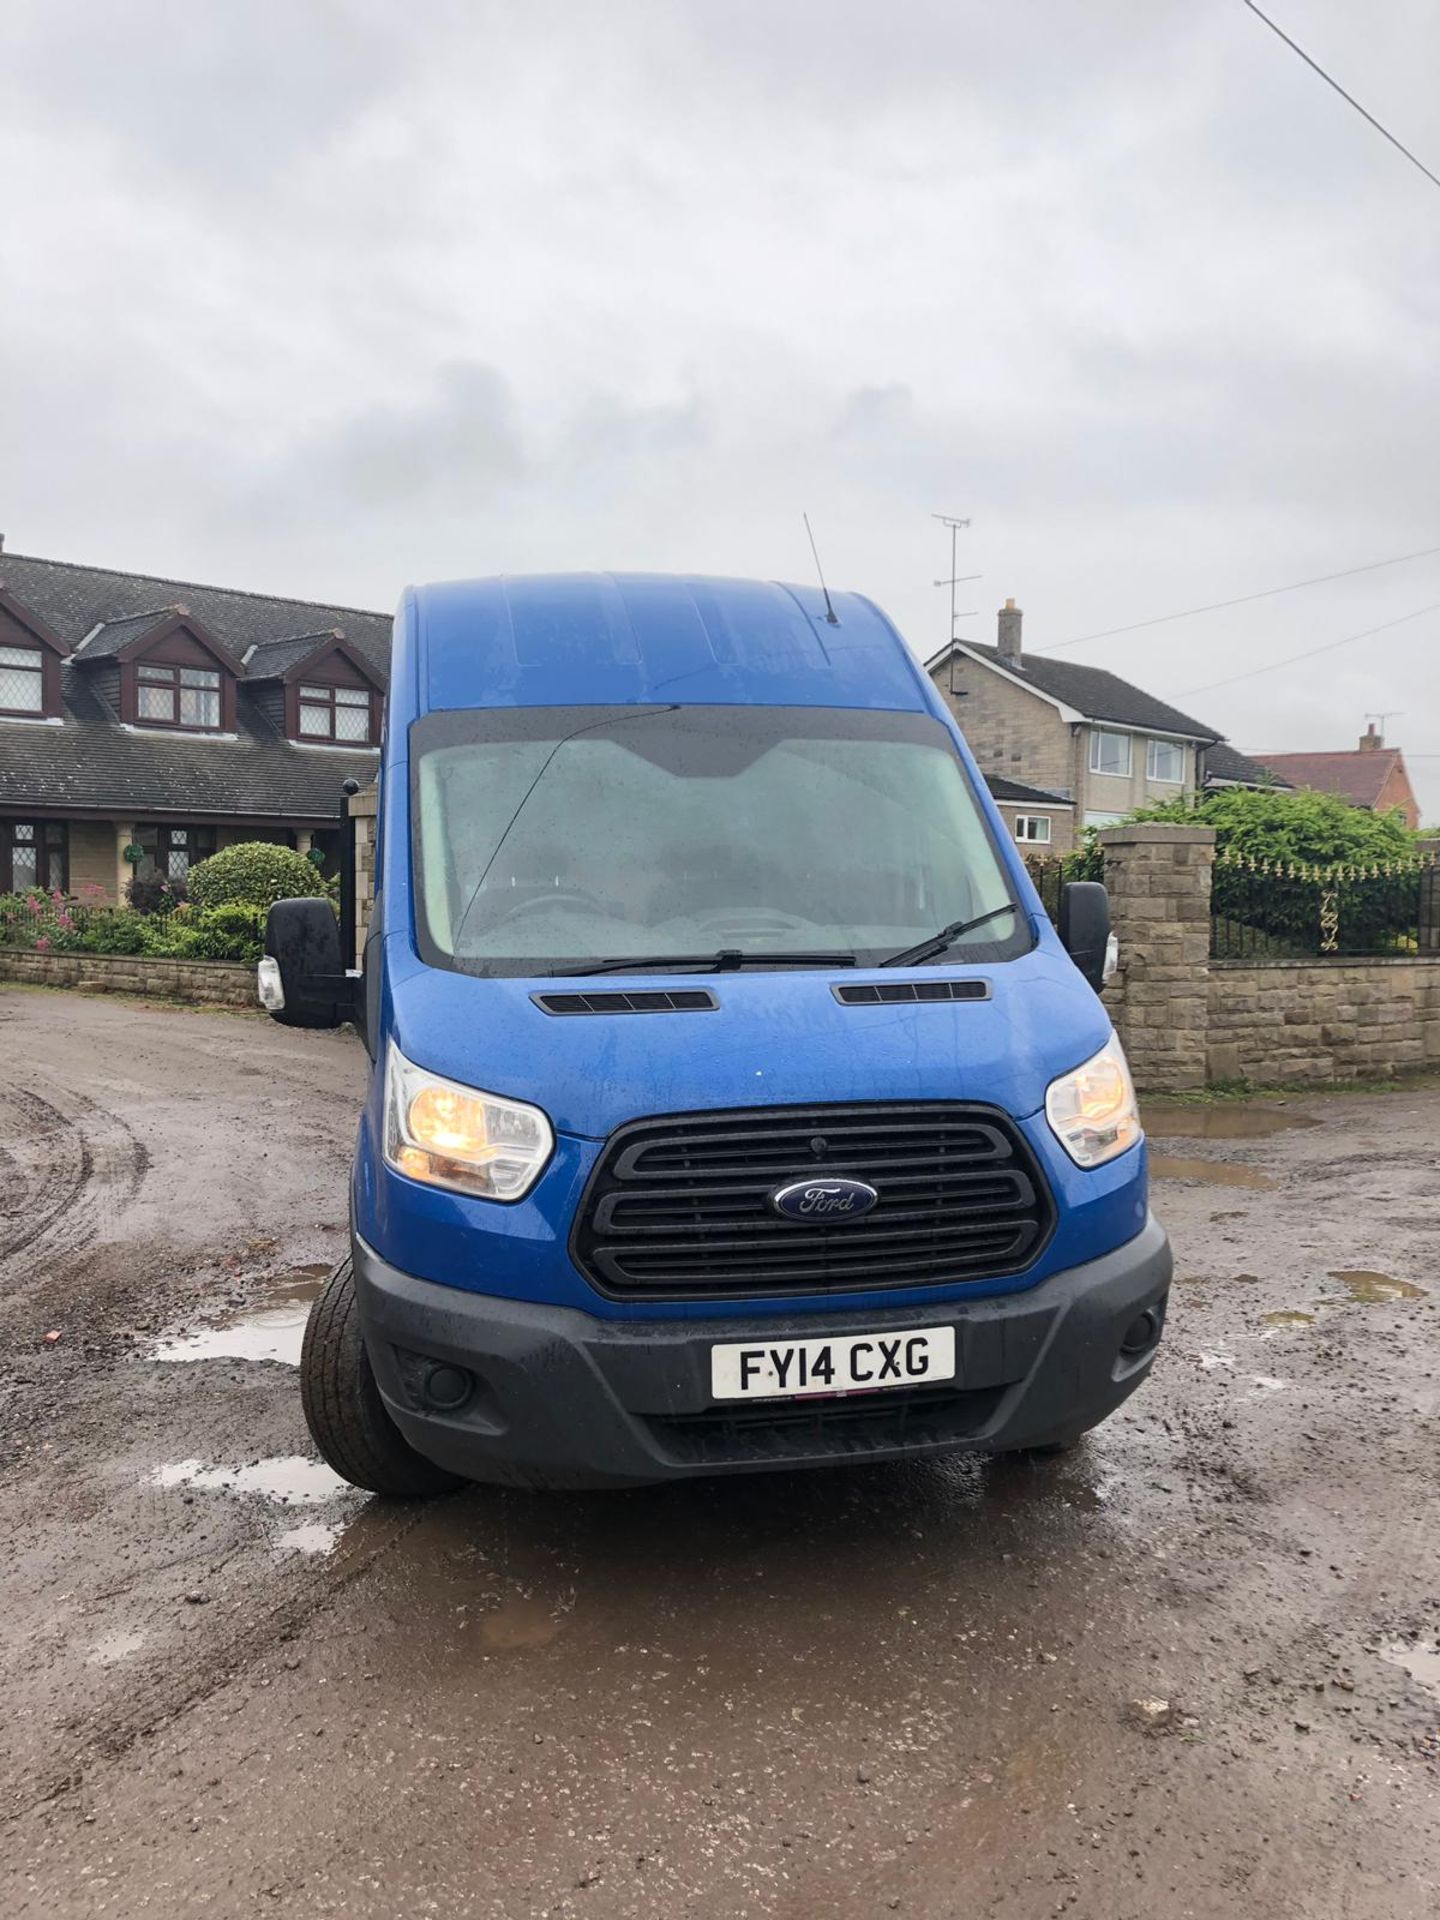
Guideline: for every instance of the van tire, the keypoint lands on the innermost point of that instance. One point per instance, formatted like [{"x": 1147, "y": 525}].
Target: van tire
[{"x": 343, "y": 1408}]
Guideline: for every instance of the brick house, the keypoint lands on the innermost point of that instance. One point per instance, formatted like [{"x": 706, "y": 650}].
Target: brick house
[
  {"x": 1371, "y": 775},
  {"x": 138, "y": 712},
  {"x": 1042, "y": 823},
  {"x": 1096, "y": 742}
]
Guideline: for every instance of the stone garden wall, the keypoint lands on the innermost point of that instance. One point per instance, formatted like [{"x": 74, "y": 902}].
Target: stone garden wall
[
  {"x": 1187, "y": 1020},
  {"x": 212, "y": 983}
]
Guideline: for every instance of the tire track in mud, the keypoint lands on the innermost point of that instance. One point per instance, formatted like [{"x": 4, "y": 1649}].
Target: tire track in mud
[
  {"x": 165, "y": 1694},
  {"x": 72, "y": 1167}
]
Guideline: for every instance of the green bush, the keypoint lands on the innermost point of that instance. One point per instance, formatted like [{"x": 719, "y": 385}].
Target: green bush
[
  {"x": 1306, "y": 828},
  {"x": 253, "y": 874},
  {"x": 231, "y": 932},
  {"x": 122, "y": 931}
]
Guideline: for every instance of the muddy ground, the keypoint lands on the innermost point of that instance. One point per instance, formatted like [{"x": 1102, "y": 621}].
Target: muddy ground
[{"x": 1188, "y": 1671}]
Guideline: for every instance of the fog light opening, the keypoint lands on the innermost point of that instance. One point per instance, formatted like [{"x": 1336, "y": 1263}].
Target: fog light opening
[
  {"x": 1141, "y": 1334},
  {"x": 447, "y": 1388}
]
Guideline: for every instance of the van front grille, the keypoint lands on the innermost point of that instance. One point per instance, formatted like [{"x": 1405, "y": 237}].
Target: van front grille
[
  {"x": 770, "y": 1431},
  {"x": 680, "y": 1208}
]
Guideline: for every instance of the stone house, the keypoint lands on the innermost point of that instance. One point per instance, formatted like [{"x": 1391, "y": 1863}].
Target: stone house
[
  {"x": 1043, "y": 823},
  {"x": 1094, "y": 740},
  {"x": 171, "y": 720},
  {"x": 1371, "y": 776}
]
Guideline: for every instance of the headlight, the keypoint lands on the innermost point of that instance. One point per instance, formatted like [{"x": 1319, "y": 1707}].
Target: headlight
[
  {"x": 452, "y": 1136},
  {"x": 1092, "y": 1110}
]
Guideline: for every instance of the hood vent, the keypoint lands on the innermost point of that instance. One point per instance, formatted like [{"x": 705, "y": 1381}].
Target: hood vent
[
  {"x": 687, "y": 1000},
  {"x": 908, "y": 991}
]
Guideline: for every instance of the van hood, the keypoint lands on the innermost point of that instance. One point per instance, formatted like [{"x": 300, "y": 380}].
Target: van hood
[{"x": 775, "y": 1039}]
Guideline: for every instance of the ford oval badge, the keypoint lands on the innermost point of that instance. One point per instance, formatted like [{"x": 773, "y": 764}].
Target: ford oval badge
[{"x": 826, "y": 1200}]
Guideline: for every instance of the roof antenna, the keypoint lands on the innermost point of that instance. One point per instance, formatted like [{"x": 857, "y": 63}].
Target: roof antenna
[{"x": 829, "y": 610}]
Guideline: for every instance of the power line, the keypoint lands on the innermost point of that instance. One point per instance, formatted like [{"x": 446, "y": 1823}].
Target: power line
[
  {"x": 1216, "y": 606},
  {"x": 1434, "y": 179},
  {"x": 1310, "y": 652}
]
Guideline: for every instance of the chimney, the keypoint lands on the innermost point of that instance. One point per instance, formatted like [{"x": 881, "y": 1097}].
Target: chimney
[
  {"x": 1370, "y": 740},
  {"x": 1009, "y": 633}
]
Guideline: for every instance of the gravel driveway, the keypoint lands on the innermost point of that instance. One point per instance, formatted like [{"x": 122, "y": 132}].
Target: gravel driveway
[{"x": 1188, "y": 1671}]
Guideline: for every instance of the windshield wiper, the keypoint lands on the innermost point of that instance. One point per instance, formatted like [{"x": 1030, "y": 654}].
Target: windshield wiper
[
  {"x": 727, "y": 960},
  {"x": 946, "y": 937}
]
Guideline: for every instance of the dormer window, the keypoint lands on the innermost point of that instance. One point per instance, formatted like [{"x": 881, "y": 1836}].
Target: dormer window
[
  {"x": 177, "y": 696},
  {"x": 317, "y": 690},
  {"x": 22, "y": 680},
  {"x": 335, "y": 713},
  {"x": 30, "y": 656},
  {"x": 161, "y": 669}
]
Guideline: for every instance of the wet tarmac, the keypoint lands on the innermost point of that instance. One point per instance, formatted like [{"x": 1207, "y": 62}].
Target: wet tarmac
[{"x": 1188, "y": 1672}]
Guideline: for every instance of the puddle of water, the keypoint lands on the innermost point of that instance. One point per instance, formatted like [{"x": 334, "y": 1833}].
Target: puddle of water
[
  {"x": 318, "y": 1536},
  {"x": 1289, "y": 1317},
  {"x": 273, "y": 1329},
  {"x": 1419, "y": 1658},
  {"x": 112, "y": 1648},
  {"x": 1221, "y": 1123},
  {"x": 1214, "y": 1173},
  {"x": 1375, "y": 1289},
  {"x": 289, "y": 1480},
  {"x": 1267, "y": 1383},
  {"x": 518, "y": 1626}
]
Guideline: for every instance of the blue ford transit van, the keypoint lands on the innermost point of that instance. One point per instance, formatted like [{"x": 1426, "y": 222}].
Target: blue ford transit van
[{"x": 733, "y": 1102}]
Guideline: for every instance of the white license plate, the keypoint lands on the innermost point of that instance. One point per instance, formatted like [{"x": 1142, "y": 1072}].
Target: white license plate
[{"x": 854, "y": 1363}]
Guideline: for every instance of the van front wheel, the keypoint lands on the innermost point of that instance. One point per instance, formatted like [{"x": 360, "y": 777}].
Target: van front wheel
[{"x": 343, "y": 1408}]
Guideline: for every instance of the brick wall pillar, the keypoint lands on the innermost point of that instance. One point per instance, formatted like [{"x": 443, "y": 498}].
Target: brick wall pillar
[
  {"x": 1158, "y": 878},
  {"x": 363, "y": 807}
]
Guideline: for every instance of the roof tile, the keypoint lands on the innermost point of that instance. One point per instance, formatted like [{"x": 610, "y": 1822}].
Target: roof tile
[{"x": 1095, "y": 693}]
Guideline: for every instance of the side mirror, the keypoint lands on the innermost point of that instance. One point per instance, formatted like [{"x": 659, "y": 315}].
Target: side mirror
[
  {"x": 302, "y": 977},
  {"x": 1084, "y": 928}
]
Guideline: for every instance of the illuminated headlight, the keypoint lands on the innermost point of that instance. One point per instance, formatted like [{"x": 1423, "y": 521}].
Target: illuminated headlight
[
  {"x": 1092, "y": 1111},
  {"x": 453, "y": 1136}
]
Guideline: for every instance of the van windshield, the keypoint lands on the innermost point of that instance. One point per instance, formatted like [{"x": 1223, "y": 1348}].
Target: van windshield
[{"x": 547, "y": 838}]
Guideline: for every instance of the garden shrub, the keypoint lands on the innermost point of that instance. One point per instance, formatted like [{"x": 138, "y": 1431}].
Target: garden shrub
[
  {"x": 1302, "y": 828},
  {"x": 121, "y": 930},
  {"x": 155, "y": 894},
  {"x": 253, "y": 874},
  {"x": 229, "y": 932}
]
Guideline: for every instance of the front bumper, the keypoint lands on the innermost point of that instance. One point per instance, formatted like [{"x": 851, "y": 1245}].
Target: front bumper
[{"x": 562, "y": 1398}]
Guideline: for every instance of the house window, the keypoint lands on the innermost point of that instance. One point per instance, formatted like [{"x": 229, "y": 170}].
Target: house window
[
  {"x": 1165, "y": 760},
  {"x": 1110, "y": 753},
  {"x": 22, "y": 680},
  {"x": 170, "y": 852},
  {"x": 335, "y": 713},
  {"x": 34, "y": 853},
  {"x": 177, "y": 696},
  {"x": 1034, "y": 827}
]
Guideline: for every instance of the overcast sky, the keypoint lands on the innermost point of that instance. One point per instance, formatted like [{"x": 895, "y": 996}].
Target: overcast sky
[{"x": 321, "y": 296}]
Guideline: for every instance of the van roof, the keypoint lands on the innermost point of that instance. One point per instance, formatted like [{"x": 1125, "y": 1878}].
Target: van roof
[{"x": 616, "y": 639}]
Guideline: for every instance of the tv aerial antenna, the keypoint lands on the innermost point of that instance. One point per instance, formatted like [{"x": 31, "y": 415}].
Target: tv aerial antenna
[{"x": 956, "y": 579}]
